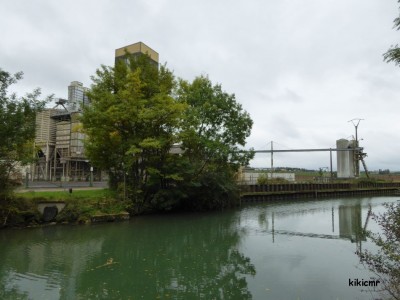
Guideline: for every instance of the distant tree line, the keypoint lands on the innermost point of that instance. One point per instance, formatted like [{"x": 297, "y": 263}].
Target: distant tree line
[{"x": 383, "y": 172}]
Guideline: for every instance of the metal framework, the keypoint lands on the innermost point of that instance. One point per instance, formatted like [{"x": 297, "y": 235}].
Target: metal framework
[
  {"x": 358, "y": 153},
  {"x": 59, "y": 147}
]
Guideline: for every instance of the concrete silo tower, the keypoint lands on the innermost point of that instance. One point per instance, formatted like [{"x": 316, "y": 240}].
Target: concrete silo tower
[{"x": 346, "y": 161}]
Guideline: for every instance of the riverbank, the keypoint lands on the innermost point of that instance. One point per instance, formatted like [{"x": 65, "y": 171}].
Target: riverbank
[
  {"x": 252, "y": 252},
  {"x": 81, "y": 206}
]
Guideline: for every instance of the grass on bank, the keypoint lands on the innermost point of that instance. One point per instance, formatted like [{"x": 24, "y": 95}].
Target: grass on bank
[
  {"x": 81, "y": 206},
  {"x": 65, "y": 195}
]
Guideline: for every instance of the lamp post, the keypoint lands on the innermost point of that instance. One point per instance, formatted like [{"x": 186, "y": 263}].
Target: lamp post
[
  {"x": 91, "y": 176},
  {"x": 91, "y": 173}
]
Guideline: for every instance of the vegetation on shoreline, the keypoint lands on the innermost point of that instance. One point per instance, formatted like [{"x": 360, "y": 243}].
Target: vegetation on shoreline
[
  {"x": 65, "y": 195},
  {"x": 17, "y": 131},
  {"x": 139, "y": 114},
  {"x": 385, "y": 262},
  {"x": 81, "y": 207}
]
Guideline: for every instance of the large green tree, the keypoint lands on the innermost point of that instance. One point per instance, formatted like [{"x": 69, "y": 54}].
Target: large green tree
[
  {"x": 131, "y": 126},
  {"x": 139, "y": 113},
  {"x": 17, "y": 132},
  {"x": 17, "y": 127},
  {"x": 213, "y": 133},
  {"x": 393, "y": 54}
]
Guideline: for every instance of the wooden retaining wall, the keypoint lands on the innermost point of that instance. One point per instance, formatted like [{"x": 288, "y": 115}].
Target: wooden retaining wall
[{"x": 316, "y": 190}]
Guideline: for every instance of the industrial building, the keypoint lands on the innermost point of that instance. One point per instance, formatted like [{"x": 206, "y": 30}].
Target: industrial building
[
  {"x": 59, "y": 142},
  {"x": 349, "y": 156},
  {"x": 248, "y": 176},
  {"x": 346, "y": 160},
  {"x": 77, "y": 96},
  {"x": 134, "y": 50},
  {"x": 59, "y": 145}
]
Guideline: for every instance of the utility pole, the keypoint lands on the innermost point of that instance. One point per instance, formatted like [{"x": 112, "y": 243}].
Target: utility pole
[
  {"x": 272, "y": 158},
  {"x": 330, "y": 158},
  {"x": 356, "y": 122},
  {"x": 356, "y": 154}
]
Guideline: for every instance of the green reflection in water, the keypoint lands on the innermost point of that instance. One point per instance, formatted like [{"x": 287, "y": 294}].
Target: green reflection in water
[
  {"x": 174, "y": 256},
  {"x": 300, "y": 249}
]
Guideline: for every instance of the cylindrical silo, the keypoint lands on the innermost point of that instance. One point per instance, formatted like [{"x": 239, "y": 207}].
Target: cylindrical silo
[{"x": 345, "y": 159}]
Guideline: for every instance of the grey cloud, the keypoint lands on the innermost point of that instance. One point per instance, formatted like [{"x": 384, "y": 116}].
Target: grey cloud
[{"x": 301, "y": 68}]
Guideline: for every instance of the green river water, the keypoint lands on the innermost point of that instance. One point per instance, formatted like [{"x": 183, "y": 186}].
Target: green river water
[{"x": 303, "y": 249}]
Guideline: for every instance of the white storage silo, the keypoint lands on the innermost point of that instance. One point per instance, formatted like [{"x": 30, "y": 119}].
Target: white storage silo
[{"x": 345, "y": 159}]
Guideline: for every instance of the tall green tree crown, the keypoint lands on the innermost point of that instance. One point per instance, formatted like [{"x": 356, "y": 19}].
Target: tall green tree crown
[
  {"x": 17, "y": 128},
  {"x": 140, "y": 112}
]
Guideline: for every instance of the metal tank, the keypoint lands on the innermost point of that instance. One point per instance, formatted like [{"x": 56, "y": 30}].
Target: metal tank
[{"x": 345, "y": 159}]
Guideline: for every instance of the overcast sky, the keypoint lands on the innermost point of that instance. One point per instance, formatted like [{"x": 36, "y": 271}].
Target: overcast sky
[{"x": 301, "y": 68}]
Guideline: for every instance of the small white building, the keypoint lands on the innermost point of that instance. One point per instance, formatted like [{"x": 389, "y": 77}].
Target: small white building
[{"x": 249, "y": 176}]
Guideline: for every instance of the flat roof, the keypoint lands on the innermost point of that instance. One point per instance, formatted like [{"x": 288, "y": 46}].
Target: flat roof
[{"x": 138, "y": 47}]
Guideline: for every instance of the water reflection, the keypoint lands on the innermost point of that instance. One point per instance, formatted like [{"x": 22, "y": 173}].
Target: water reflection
[
  {"x": 179, "y": 257},
  {"x": 306, "y": 249},
  {"x": 45, "y": 261},
  {"x": 176, "y": 257},
  {"x": 301, "y": 250},
  {"x": 351, "y": 226}
]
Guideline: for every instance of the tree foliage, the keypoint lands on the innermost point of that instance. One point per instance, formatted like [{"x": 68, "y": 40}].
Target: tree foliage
[
  {"x": 393, "y": 54},
  {"x": 385, "y": 263},
  {"x": 215, "y": 124},
  {"x": 140, "y": 111},
  {"x": 130, "y": 126},
  {"x": 214, "y": 127},
  {"x": 17, "y": 131}
]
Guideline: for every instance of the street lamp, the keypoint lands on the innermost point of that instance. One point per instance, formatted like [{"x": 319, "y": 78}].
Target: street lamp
[{"x": 91, "y": 176}]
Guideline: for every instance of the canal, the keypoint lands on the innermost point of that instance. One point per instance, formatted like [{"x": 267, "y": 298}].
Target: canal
[{"x": 277, "y": 250}]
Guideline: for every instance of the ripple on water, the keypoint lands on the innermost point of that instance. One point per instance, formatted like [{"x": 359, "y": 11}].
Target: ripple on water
[{"x": 35, "y": 285}]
